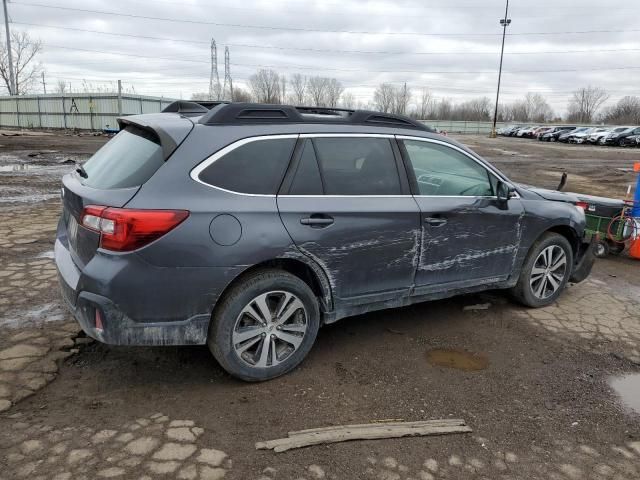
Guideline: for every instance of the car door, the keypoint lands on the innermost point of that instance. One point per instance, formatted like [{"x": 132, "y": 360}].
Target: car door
[
  {"x": 469, "y": 236},
  {"x": 346, "y": 204}
]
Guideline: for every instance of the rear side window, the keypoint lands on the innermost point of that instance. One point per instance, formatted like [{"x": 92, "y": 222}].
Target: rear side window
[
  {"x": 256, "y": 167},
  {"x": 128, "y": 160},
  {"x": 357, "y": 166}
]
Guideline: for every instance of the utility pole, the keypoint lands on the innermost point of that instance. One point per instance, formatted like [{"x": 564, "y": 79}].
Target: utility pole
[
  {"x": 12, "y": 78},
  {"x": 505, "y": 22},
  {"x": 44, "y": 84},
  {"x": 120, "y": 97},
  {"x": 228, "y": 82},
  {"x": 214, "y": 78}
]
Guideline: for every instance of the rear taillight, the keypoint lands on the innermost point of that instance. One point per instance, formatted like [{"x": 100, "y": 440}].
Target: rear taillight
[
  {"x": 124, "y": 229},
  {"x": 583, "y": 205}
]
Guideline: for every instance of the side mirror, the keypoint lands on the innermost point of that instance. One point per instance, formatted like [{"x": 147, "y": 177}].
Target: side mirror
[{"x": 504, "y": 191}]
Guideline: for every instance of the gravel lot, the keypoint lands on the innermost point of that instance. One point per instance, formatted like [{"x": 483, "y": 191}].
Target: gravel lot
[{"x": 535, "y": 385}]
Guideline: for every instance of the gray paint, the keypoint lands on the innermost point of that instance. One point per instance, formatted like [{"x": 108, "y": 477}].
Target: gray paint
[{"x": 380, "y": 252}]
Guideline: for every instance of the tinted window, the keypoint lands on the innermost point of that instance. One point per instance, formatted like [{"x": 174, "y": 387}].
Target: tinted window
[
  {"x": 128, "y": 160},
  {"x": 255, "y": 167},
  {"x": 357, "y": 166},
  {"x": 441, "y": 170},
  {"x": 307, "y": 178}
]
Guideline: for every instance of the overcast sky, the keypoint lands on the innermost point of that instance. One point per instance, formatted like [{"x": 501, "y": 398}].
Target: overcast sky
[{"x": 450, "y": 46}]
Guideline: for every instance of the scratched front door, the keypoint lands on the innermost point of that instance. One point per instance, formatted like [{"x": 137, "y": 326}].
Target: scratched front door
[
  {"x": 468, "y": 235},
  {"x": 467, "y": 240}
]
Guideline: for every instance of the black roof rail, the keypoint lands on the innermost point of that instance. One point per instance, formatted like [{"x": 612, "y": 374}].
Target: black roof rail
[
  {"x": 260, "y": 113},
  {"x": 191, "y": 107}
]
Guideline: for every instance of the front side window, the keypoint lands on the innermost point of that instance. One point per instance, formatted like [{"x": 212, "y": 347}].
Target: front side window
[
  {"x": 256, "y": 167},
  {"x": 443, "y": 171},
  {"x": 357, "y": 166}
]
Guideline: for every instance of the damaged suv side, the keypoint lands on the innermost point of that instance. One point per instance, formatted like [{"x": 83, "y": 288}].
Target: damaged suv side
[{"x": 246, "y": 227}]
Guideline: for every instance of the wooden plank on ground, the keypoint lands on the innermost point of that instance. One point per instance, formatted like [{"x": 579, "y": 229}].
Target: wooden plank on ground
[{"x": 343, "y": 433}]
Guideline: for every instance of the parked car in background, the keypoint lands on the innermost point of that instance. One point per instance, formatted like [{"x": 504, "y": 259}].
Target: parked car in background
[
  {"x": 631, "y": 141},
  {"x": 564, "y": 137},
  {"x": 538, "y": 132},
  {"x": 619, "y": 134},
  {"x": 581, "y": 137},
  {"x": 554, "y": 133},
  {"x": 526, "y": 132},
  {"x": 598, "y": 136},
  {"x": 507, "y": 130},
  {"x": 246, "y": 227}
]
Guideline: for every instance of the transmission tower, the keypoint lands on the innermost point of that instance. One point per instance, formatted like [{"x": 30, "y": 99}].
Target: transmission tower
[
  {"x": 227, "y": 88},
  {"x": 214, "y": 78}
]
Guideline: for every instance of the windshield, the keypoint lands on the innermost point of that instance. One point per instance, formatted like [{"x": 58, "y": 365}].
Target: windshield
[{"x": 128, "y": 160}]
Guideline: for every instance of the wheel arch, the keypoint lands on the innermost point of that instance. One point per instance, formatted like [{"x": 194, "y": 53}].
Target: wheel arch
[
  {"x": 309, "y": 273},
  {"x": 568, "y": 232}
]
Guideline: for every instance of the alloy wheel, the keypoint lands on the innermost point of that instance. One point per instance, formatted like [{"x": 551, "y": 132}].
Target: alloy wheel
[
  {"x": 269, "y": 329},
  {"x": 548, "y": 272}
]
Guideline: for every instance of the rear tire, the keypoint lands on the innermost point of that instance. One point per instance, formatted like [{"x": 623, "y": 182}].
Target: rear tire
[
  {"x": 545, "y": 272},
  {"x": 264, "y": 326}
]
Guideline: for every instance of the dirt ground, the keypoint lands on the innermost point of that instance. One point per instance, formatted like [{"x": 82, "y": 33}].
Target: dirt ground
[{"x": 534, "y": 385}]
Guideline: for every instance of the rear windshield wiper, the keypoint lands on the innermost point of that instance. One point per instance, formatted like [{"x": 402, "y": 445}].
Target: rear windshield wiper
[{"x": 80, "y": 169}]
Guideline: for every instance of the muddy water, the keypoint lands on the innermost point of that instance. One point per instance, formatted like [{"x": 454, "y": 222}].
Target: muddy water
[
  {"x": 628, "y": 388},
  {"x": 458, "y": 359}
]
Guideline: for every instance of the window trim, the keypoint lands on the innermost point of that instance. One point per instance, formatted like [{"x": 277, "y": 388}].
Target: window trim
[
  {"x": 198, "y": 169},
  {"x": 409, "y": 166}
]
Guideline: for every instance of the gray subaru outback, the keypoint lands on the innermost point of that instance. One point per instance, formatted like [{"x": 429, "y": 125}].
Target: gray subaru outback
[{"x": 246, "y": 227}]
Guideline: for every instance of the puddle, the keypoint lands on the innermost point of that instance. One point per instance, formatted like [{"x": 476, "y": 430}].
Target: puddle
[
  {"x": 47, "y": 254},
  {"x": 18, "y": 167},
  {"x": 49, "y": 312},
  {"x": 458, "y": 359},
  {"x": 628, "y": 388}
]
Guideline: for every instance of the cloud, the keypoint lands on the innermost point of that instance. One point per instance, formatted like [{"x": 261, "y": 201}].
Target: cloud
[{"x": 450, "y": 47}]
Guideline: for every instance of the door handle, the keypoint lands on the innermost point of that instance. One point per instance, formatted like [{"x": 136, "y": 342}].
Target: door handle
[
  {"x": 435, "y": 221},
  {"x": 317, "y": 220}
]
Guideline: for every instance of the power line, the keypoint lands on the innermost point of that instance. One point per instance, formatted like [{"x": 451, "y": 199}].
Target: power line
[
  {"x": 313, "y": 30},
  {"x": 323, "y": 68},
  {"x": 321, "y": 50}
]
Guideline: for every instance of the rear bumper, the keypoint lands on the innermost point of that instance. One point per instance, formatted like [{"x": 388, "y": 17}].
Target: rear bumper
[
  {"x": 118, "y": 329},
  {"x": 584, "y": 261},
  {"x": 140, "y": 304}
]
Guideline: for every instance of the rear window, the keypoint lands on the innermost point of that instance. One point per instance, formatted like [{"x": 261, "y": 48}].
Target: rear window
[
  {"x": 128, "y": 160},
  {"x": 256, "y": 167}
]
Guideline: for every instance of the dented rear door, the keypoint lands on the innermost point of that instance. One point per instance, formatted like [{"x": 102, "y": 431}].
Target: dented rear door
[{"x": 352, "y": 216}]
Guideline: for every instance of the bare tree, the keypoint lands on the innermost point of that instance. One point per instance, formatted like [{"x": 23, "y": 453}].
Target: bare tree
[
  {"x": 401, "y": 99},
  {"x": 625, "y": 112},
  {"x": 299, "y": 89},
  {"x": 194, "y": 96},
  {"x": 241, "y": 95},
  {"x": 283, "y": 89},
  {"x": 26, "y": 68},
  {"x": 61, "y": 86},
  {"x": 383, "y": 97},
  {"x": 348, "y": 100},
  {"x": 265, "y": 85},
  {"x": 585, "y": 102},
  {"x": 425, "y": 104},
  {"x": 318, "y": 90},
  {"x": 538, "y": 110},
  {"x": 334, "y": 90}
]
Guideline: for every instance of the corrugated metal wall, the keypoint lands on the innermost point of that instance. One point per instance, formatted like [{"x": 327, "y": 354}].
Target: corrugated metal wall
[{"x": 81, "y": 111}]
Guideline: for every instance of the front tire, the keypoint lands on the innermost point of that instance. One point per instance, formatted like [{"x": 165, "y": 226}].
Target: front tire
[
  {"x": 264, "y": 326},
  {"x": 546, "y": 271}
]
